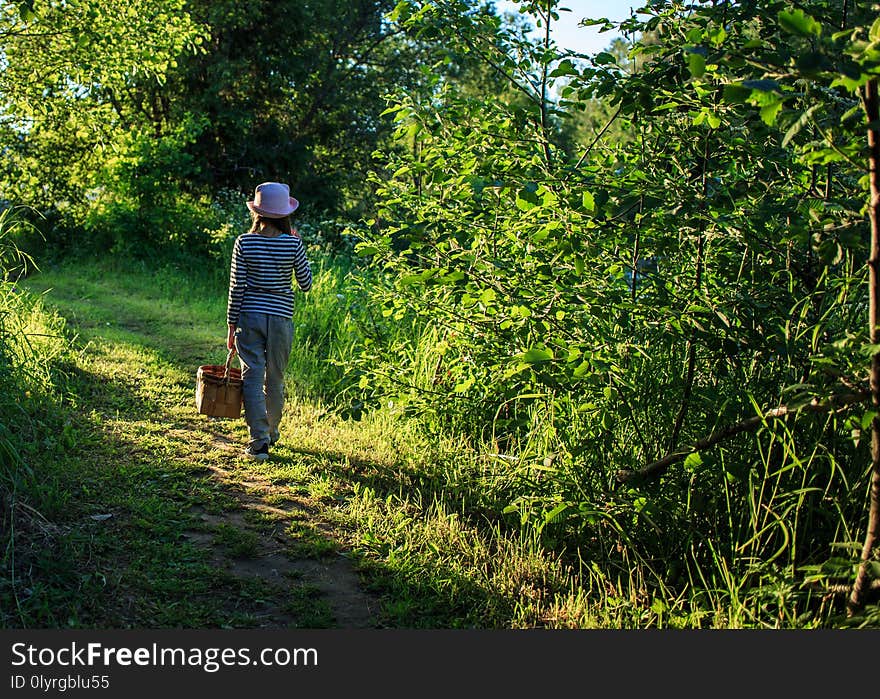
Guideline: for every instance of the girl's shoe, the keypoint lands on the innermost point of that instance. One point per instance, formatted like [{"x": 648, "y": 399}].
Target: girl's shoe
[{"x": 260, "y": 454}]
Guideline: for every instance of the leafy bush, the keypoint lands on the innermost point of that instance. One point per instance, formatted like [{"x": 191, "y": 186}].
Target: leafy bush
[
  {"x": 591, "y": 321},
  {"x": 33, "y": 350}
]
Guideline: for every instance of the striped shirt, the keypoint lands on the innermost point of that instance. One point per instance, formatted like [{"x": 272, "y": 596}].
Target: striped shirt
[{"x": 261, "y": 275}]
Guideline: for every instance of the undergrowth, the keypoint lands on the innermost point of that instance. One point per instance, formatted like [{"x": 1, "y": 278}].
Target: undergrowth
[{"x": 438, "y": 522}]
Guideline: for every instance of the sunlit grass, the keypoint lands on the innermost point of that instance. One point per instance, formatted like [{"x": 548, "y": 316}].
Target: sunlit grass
[{"x": 130, "y": 466}]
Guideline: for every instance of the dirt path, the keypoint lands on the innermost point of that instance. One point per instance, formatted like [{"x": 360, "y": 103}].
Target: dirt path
[
  {"x": 169, "y": 525},
  {"x": 274, "y": 535},
  {"x": 332, "y": 575}
]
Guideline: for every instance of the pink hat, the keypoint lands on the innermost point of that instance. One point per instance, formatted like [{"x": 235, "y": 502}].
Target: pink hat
[{"x": 273, "y": 200}]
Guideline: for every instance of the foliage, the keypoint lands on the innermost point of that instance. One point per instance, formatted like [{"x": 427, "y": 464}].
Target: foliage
[
  {"x": 584, "y": 314},
  {"x": 632, "y": 284},
  {"x": 126, "y": 124},
  {"x": 289, "y": 91},
  {"x": 68, "y": 68},
  {"x": 146, "y": 509},
  {"x": 33, "y": 349}
]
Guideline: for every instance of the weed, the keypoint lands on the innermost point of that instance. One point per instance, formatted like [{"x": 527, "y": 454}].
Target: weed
[{"x": 240, "y": 542}]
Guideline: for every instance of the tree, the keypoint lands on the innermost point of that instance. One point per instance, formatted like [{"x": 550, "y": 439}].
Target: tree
[
  {"x": 141, "y": 145},
  {"x": 692, "y": 296},
  {"x": 67, "y": 66}
]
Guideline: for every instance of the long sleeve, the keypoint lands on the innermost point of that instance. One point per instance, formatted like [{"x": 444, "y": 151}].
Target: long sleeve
[
  {"x": 301, "y": 267},
  {"x": 237, "y": 283}
]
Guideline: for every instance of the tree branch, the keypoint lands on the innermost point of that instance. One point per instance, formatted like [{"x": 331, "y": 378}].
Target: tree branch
[
  {"x": 596, "y": 140},
  {"x": 656, "y": 468},
  {"x": 862, "y": 582}
]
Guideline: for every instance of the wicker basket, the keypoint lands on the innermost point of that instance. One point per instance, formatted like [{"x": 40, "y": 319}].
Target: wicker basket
[{"x": 218, "y": 389}]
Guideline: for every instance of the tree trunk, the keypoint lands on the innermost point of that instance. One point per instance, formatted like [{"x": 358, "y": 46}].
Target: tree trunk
[{"x": 863, "y": 581}]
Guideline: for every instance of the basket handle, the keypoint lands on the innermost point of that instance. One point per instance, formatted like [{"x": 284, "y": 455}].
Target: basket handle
[{"x": 229, "y": 362}]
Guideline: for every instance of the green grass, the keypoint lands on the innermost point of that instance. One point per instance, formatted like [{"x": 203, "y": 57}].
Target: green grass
[
  {"x": 142, "y": 513},
  {"x": 135, "y": 450},
  {"x": 115, "y": 489},
  {"x": 241, "y": 543}
]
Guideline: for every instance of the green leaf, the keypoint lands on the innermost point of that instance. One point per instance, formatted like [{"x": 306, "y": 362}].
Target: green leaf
[
  {"x": 692, "y": 461},
  {"x": 582, "y": 369},
  {"x": 400, "y": 12},
  {"x": 589, "y": 201},
  {"x": 526, "y": 199},
  {"x": 736, "y": 94},
  {"x": 799, "y": 23},
  {"x": 452, "y": 277},
  {"x": 548, "y": 198},
  {"x": 874, "y": 34},
  {"x": 539, "y": 235},
  {"x": 717, "y": 35},
  {"x": 801, "y": 121},
  {"x": 769, "y": 112},
  {"x": 696, "y": 65},
  {"x": 555, "y": 512},
  {"x": 565, "y": 67},
  {"x": 851, "y": 84},
  {"x": 464, "y": 386},
  {"x": 536, "y": 355},
  {"x": 363, "y": 250},
  {"x": 394, "y": 109},
  {"x": 26, "y": 10}
]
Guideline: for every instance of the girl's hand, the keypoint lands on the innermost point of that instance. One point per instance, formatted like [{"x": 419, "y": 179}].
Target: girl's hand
[{"x": 230, "y": 338}]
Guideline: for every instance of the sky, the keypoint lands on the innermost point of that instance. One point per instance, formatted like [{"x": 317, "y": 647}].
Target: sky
[{"x": 588, "y": 40}]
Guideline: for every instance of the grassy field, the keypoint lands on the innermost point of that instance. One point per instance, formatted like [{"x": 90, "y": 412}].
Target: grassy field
[{"x": 142, "y": 513}]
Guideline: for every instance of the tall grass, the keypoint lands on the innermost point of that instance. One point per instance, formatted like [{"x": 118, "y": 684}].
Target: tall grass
[
  {"x": 529, "y": 530},
  {"x": 33, "y": 348},
  {"x": 25, "y": 333},
  {"x": 326, "y": 334},
  {"x": 757, "y": 532}
]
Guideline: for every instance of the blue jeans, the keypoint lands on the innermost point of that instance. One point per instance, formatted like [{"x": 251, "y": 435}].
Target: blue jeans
[{"x": 263, "y": 344}]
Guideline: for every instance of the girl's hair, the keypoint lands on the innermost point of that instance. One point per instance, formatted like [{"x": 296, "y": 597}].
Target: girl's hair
[{"x": 280, "y": 224}]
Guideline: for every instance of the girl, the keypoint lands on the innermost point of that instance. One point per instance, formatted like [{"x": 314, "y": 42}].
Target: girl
[{"x": 265, "y": 260}]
